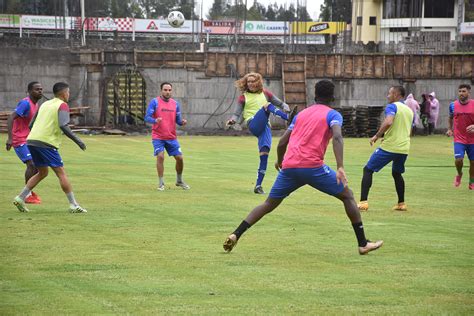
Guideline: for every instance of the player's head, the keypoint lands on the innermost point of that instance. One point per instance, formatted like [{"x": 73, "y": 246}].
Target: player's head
[
  {"x": 166, "y": 90},
  {"x": 35, "y": 90},
  {"x": 396, "y": 93},
  {"x": 251, "y": 82},
  {"x": 464, "y": 91},
  {"x": 61, "y": 91},
  {"x": 324, "y": 92}
]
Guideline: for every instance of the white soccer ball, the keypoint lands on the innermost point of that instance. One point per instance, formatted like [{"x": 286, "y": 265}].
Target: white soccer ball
[{"x": 175, "y": 19}]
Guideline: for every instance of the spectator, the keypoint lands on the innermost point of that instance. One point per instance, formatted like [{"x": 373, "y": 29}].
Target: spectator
[
  {"x": 415, "y": 107},
  {"x": 434, "y": 112},
  {"x": 425, "y": 107}
]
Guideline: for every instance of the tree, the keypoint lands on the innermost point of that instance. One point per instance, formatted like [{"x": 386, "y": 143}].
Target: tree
[
  {"x": 217, "y": 10},
  {"x": 336, "y": 10}
]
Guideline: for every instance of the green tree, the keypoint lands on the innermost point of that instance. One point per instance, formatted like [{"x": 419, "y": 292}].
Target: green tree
[
  {"x": 336, "y": 10},
  {"x": 217, "y": 10}
]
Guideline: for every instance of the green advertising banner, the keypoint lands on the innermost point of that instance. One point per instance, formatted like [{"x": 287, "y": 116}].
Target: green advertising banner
[{"x": 9, "y": 20}]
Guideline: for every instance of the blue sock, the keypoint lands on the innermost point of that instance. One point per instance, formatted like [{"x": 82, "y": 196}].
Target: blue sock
[
  {"x": 262, "y": 168},
  {"x": 276, "y": 111}
]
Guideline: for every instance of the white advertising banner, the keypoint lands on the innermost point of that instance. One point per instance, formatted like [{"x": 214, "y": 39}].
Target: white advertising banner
[
  {"x": 46, "y": 22},
  {"x": 162, "y": 26},
  {"x": 266, "y": 28},
  {"x": 467, "y": 28}
]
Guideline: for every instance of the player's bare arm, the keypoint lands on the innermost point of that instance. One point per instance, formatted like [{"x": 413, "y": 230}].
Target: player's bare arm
[
  {"x": 387, "y": 122},
  {"x": 281, "y": 149}
]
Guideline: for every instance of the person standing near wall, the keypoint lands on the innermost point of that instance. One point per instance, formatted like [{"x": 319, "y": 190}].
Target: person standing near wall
[
  {"x": 18, "y": 127},
  {"x": 425, "y": 107},
  {"x": 164, "y": 113},
  {"x": 415, "y": 107},
  {"x": 434, "y": 113},
  {"x": 255, "y": 105}
]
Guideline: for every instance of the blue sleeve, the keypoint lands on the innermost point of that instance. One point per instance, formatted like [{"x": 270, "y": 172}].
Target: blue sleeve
[
  {"x": 451, "y": 109},
  {"x": 152, "y": 107},
  {"x": 334, "y": 118},
  {"x": 179, "y": 120},
  {"x": 391, "y": 110},
  {"x": 292, "y": 125},
  {"x": 23, "y": 108}
]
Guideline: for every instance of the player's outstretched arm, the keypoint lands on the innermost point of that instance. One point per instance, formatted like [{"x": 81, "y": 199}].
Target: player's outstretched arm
[{"x": 69, "y": 133}]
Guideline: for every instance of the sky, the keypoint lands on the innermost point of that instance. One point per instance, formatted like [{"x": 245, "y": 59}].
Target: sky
[{"x": 311, "y": 5}]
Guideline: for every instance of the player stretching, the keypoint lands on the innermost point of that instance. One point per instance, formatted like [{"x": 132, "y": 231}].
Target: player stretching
[
  {"x": 394, "y": 147},
  {"x": 164, "y": 113},
  {"x": 307, "y": 139},
  {"x": 44, "y": 141},
  {"x": 18, "y": 130},
  {"x": 461, "y": 125},
  {"x": 256, "y": 104}
]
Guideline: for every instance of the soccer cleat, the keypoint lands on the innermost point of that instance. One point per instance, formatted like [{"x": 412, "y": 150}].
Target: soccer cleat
[
  {"x": 161, "y": 187},
  {"x": 20, "y": 205},
  {"x": 36, "y": 196},
  {"x": 400, "y": 207},
  {"x": 363, "y": 206},
  {"x": 457, "y": 181},
  {"x": 371, "y": 246},
  {"x": 32, "y": 200},
  {"x": 183, "y": 185},
  {"x": 76, "y": 209},
  {"x": 258, "y": 190},
  {"x": 230, "y": 243},
  {"x": 471, "y": 186}
]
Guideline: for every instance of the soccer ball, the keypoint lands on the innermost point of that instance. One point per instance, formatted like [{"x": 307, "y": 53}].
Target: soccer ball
[{"x": 175, "y": 19}]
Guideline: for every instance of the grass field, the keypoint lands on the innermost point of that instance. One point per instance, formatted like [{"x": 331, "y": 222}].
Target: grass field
[{"x": 140, "y": 251}]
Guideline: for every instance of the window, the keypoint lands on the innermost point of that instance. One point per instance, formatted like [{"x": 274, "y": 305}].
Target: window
[
  {"x": 398, "y": 29},
  {"x": 395, "y": 9},
  {"x": 359, "y": 20},
  {"x": 373, "y": 20},
  {"x": 439, "y": 9}
]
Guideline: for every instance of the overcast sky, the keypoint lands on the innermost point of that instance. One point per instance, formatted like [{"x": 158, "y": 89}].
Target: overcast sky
[{"x": 312, "y": 5}]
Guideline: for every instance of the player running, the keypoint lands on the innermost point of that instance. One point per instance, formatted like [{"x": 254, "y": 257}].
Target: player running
[
  {"x": 305, "y": 143},
  {"x": 255, "y": 105}
]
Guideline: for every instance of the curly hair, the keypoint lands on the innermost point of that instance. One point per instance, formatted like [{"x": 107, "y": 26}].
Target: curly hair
[{"x": 241, "y": 84}]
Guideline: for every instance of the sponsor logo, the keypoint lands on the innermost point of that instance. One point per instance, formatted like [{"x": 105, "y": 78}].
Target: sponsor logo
[
  {"x": 318, "y": 27},
  {"x": 152, "y": 26}
]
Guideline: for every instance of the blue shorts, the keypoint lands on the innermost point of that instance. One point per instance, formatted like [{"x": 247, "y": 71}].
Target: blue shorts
[
  {"x": 460, "y": 149},
  {"x": 380, "y": 158},
  {"x": 171, "y": 146},
  {"x": 322, "y": 179},
  {"x": 23, "y": 153},
  {"x": 44, "y": 157}
]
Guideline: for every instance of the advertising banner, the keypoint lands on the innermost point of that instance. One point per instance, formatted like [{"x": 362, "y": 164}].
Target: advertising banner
[
  {"x": 162, "y": 26},
  {"x": 467, "y": 28},
  {"x": 9, "y": 20},
  {"x": 317, "y": 27},
  {"x": 221, "y": 27},
  {"x": 266, "y": 28},
  {"x": 46, "y": 22}
]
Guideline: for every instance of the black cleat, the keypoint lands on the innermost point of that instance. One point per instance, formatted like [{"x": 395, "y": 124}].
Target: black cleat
[{"x": 258, "y": 190}]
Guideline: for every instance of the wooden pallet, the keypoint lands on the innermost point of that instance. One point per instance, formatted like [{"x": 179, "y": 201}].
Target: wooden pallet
[{"x": 294, "y": 82}]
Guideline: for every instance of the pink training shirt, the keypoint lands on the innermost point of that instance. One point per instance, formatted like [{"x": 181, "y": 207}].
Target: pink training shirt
[
  {"x": 310, "y": 137},
  {"x": 166, "y": 128},
  {"x": 26, "y": 110},
  {"x": 463, "y": 116}
]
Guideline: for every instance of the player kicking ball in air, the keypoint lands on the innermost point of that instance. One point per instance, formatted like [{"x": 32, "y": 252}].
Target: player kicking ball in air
[
  {"x": 301, "y": 153},
  {"x": 255, "y": 105},
  {"x": 44, "y": 141},
  {"x": 164, "y": 113}
]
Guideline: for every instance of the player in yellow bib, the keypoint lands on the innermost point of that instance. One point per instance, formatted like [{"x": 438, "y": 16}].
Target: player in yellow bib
[
  {"x": 395, "y": 130},
  {"x": 254, "y": 107}
]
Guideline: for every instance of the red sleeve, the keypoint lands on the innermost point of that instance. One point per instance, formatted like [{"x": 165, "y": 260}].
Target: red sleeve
[
  {"x": 268, "y": 94},
  {"x": 64, "y": 107},
  {"x": 241, "y": 100}
]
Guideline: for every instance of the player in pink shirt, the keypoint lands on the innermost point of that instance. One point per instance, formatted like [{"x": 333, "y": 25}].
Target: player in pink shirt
[
  {"x": 164, "y": 113},
  {"x": 301, "y": 153},
  {"x": 19, "y": 129},
  {"x": 461, "y": 126}
]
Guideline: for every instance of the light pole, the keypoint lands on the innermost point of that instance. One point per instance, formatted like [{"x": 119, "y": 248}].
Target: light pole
[{"x": 83, "y": 20}]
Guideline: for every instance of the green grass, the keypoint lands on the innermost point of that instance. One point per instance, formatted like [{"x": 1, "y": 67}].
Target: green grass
[{"x": 140, "y": 251}]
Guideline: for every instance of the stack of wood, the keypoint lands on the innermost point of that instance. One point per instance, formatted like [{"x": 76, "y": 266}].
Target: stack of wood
[{"x": 3, "y": 120}]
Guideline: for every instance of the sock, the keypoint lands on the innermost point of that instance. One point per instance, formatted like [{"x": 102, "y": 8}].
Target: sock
[
  {"x": 161, "y": 181},
  {"x": 276, "y": 111},
  {"x": 24, "y": 193},
  {"x": 399, "y": 186},
  {"x": 262, "y": 169},
  {"x": 359, "y": 231},
  {"x": 70, "y": 197},
  {"x": 366, "y": 184},
  {"x": 471, "y": 180},
  {"x": 241, "y": 229},
  {"x": 179, "y": 178}
]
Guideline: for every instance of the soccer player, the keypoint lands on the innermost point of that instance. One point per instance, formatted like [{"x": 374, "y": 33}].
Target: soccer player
[
  {"x": 305, "y": 143},
  {"x": 164, "y": 113},
  {"x": 44, "y": 141},
  {"x": 461, "y": 125},
  {"x": 255, "y": 105},
  {"x": 18, "y": 129},
  {"x": 394, "y": 147}
]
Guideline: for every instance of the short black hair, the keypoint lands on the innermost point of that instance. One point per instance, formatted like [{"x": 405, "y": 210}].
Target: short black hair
[
  {"x": 400, "y": 90},
  {"x": 465, "y": 85},
  {"x": 165, "y": 83},
  {"x": 324, "y": 90},
  {"x": 59, "y": 86},
  {"x": 31, "y": 85}
]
